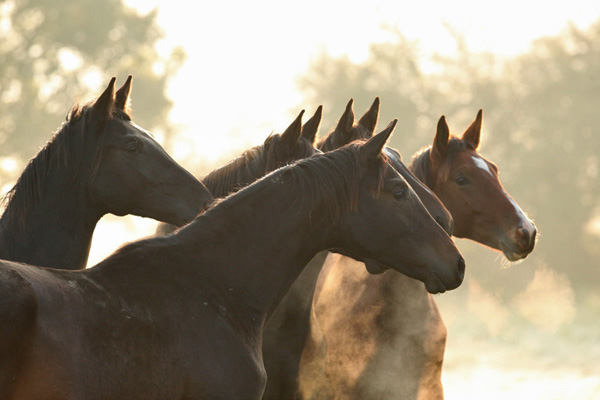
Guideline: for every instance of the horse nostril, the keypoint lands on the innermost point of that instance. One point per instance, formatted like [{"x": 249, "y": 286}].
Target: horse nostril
[
  {"x": 523, "y": 237},
  {"x": 461, "y": 268}
]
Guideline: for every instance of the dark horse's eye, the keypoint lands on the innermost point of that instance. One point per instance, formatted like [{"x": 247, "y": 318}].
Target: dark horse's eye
[
  {"x": 461, "y": 180},
  {"x": 132, "y": 148},
  {"x": 400, "y": 193}
]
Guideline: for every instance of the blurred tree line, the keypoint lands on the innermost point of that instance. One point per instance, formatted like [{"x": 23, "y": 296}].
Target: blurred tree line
[
  {"x": 541, "y": 125},
  {"x": 54, "y": 53}
]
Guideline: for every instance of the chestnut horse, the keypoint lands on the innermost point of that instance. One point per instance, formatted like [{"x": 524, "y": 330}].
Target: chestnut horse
[
  {"x": 393, "y": 321},
  {"x": 295, "y": 143},
  {"x": 181, "y": 316},
  {"x": 292, "y": 342},
  {"x": 98, "y": 162}
]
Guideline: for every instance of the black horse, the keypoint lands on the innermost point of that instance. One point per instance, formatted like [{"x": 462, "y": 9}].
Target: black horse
[
  {"x": 181, "y": 316},
  {"x": 98, "y": 162}
]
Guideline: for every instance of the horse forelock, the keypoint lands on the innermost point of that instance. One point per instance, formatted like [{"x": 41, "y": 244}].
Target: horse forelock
[{"x": 421, "y": 161}]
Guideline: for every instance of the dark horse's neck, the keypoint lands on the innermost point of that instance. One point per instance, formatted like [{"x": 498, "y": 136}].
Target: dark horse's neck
[
  {"x": 49, "y": 219},
  {"x": 254, "y": 245},
  {"x": 420, "y": 166}
]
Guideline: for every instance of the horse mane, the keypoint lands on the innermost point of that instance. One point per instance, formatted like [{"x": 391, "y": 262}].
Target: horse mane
[
  {"x": 252, "y": 164},
  {"x": 327, "y": 182},
  {"x": 56, "y": 153},
  {"x": 421, "y": 161}
]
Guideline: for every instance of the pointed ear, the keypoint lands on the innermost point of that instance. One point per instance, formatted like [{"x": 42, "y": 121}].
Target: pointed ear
[
  {"x": 369, "y": 120},
  {"x": 104, "y": 105},
  {"x": 122, "y": 96},
  {"x": 473, "y": 132},
  {"x": 373, "y": 147},
  {"x": 439, "y": 149},
  {"x": 289, "y": 138},
  {"x": 347, "y": 119},
  {"x": 311, "y": 127}
]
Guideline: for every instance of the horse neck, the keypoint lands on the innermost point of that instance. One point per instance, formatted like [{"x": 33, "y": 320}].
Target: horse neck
[
  {"x": 255, "y": 245},
  {"x": 56, "y": 229}
]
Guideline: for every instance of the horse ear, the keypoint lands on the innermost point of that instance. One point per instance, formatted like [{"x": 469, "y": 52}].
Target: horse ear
[
  {"x": 369, "y": 120},
  {"x": 473, "y": 132},
  {"x": 440, "y": 142},
  {"x": 347, "y": 119},
  {"x": 311, "y": 127},
  {"x": 373, "y": 147},
  {"x": 104, "y": 105},
  {"x": 289, "y": 138},
  {"x": 122, "y": 96}
]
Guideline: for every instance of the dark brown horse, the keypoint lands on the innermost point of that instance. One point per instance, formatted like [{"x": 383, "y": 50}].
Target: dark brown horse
[
  {"x": 181, "y": 316},
  {"x": 393, "y": 319},
  {"x": 98, "y": 162},
  {"x": 295, "y": 143},
  {"x": 293, "y": 343}
]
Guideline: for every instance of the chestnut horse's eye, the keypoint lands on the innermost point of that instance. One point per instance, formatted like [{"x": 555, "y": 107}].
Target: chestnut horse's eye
[{"x": 461, "y": 180}]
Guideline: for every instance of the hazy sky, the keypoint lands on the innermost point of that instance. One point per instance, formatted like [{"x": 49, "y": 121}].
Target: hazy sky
[{"x": 244, "y": 56}]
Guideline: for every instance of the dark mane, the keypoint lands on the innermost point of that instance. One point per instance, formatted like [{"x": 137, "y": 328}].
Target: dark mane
[
  {"x": 58, "y": 153},
  {"x": 421, "y": 160},
  {"x": 251, "y": 165},
  {"x": 326, "y": 181}
]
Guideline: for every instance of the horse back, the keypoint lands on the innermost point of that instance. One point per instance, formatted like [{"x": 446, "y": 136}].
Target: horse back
[{"x": 18, "y": 309}]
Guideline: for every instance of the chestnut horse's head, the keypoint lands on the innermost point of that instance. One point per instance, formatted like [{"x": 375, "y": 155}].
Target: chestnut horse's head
[{"x": 469, "y": 187}]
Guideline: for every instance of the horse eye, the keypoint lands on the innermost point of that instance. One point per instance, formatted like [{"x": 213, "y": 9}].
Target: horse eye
[
  {"x": 400, "y": 193},
  {"x": 461, "y": 180},
  {"x": 132, "y": 148}
]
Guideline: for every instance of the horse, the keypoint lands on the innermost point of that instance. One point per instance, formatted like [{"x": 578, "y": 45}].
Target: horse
[
  {"x": 294, "y": 349},
  {"x": 393, "y": 319},
  {"x": 181, "y": 316},
  {"x": 98, "y": 162},
  {"x": 277, "y": 150}
]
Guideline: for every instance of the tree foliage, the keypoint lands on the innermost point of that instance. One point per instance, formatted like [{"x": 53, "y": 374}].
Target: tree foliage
[{"x": 55, "y": 52}]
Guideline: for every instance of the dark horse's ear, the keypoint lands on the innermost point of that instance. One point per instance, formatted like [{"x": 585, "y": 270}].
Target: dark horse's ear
[
  {"x": 104, "y": 105},
  {"x": 369, "y": 120},
  {"x": 122, "y": 96},
  {"x": 373, "y": 147},
  {"x": 346, "y": 120},
  {"x": 311, "y": 127},
  {"x": 440, "y": 141},
  {"x": 473, "y": 132},
  {"x": 289, "y": 138}
]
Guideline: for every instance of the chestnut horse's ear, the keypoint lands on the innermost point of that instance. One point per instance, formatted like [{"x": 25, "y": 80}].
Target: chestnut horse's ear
[
  {"x": 473, "y": 132},
  {"x": 346, "y": 120},
  {"x": 369, "y": 120},
  {"x": 104, "y": 105},
  {"x": 122, "y": 96},
  {"x": 311, "y": 127},
  {"x": 373, "y": 147},
  {"x": 440, "y": 141},
  {"x": 289, "y": 138}
]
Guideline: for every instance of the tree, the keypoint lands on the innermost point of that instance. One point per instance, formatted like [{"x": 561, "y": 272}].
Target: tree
[{"x": 54, "y": 52}]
